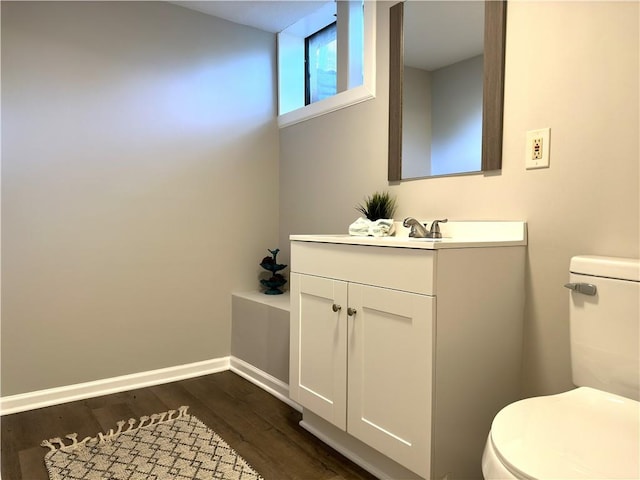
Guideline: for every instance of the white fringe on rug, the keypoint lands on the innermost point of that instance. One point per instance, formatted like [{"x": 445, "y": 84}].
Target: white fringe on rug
[{"x": 154, "y": 419}]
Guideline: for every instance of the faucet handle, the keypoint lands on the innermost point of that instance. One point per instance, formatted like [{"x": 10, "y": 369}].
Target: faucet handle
[{"x": 434, "y": 231}]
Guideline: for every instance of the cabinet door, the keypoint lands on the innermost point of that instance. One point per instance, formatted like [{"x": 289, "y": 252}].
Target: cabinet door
[
  {"x": 318, "y": 363},
  {"x": 390, "y": 354}
]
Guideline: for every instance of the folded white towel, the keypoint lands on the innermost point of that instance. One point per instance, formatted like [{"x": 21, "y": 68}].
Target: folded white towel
[{"x": 364, "y": 227}]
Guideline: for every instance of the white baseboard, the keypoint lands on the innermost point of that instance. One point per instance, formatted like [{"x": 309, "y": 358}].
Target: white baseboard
[
  {"x": 80, "y": 391},
  {"x": 269, "y": 383}
]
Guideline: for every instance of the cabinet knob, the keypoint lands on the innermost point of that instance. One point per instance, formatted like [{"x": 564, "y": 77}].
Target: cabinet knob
[
  {"x": 336, "y": 308},
  {"x": 351, "y": 311}
]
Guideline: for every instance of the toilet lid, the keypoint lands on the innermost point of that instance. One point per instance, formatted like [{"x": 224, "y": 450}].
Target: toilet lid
[{"x": 580, "y": 434}]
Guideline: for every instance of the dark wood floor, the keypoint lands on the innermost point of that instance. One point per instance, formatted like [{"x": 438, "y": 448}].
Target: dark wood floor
[{"x": 258, "y": 426}]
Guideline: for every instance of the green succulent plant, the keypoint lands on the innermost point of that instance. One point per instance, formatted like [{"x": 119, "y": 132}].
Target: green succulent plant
[{"x": 377, "y": 206}]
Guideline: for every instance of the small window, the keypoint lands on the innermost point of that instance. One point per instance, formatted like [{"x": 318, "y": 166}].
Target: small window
[
  {"x": 340, "y": 39},
  {"x": 321, "y": 64}
]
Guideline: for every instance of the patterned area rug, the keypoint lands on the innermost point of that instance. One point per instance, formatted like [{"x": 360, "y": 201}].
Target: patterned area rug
[{"x": 170, "y": 445}]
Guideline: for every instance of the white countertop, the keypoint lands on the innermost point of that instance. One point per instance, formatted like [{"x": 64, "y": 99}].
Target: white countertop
[{"x": 456, "y": 234}]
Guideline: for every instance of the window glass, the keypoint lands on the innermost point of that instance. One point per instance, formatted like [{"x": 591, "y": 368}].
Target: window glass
[{"x": 321, "y": 62}]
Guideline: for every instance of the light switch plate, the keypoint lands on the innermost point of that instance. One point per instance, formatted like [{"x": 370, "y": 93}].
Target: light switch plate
[{"x": 537, "y": 148}]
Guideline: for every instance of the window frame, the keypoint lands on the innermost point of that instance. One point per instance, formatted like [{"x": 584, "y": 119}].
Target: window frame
[{"x": 348, "y": 97}]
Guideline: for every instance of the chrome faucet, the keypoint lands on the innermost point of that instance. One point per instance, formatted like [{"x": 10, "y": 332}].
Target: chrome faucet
[{"x": 417, "y": 229}]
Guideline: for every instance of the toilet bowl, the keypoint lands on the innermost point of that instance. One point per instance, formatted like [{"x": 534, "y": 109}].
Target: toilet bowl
[
  {"x": 593, "y": 431},
  {"x": 580, "y": 434}
]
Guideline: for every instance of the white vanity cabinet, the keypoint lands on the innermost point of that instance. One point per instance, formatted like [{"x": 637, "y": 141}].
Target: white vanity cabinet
[
  {"x": 389, "y": 345},
  {"x": 365, "y": 355}
]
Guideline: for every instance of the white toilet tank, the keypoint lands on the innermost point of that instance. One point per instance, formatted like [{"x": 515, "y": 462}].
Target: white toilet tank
[{"x": 605, "y": 324}]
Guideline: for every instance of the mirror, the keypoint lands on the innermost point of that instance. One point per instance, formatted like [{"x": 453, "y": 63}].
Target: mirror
[{"x": 446, "y": 135}]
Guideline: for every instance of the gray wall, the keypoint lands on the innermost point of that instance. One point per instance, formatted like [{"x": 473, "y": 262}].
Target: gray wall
[
  {"x": 583, "y": 84},
  {"x": 139, "y": 186},
  {"x": 416, "y": 122},
  {"x": 456, "y": 117},
  {"x": 442, "y": 119}
]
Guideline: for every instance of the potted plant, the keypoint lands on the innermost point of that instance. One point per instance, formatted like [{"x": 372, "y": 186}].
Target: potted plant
[
  {"x": 378, "y": 206},
  {"x": 377, "y": 216}
]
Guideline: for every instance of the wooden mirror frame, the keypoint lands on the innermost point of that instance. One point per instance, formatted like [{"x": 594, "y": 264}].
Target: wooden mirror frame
[{"x": 495, "y": 29}]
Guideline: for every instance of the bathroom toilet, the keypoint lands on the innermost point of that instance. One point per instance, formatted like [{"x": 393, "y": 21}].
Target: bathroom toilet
[{"x": 593, "y": 431}]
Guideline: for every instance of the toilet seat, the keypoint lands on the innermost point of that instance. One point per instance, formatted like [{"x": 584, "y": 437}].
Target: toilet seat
[{"x": 580, "y": 434}]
